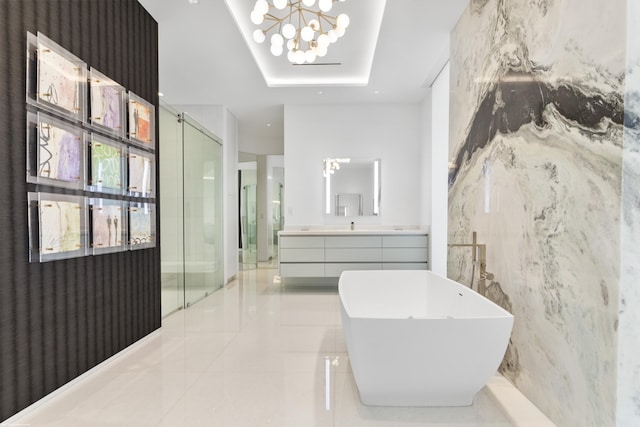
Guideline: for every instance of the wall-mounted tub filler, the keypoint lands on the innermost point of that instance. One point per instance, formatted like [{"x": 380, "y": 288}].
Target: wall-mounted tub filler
[
  {"x": 479, "y": 257},
  {"x": 419, "y": 339}
]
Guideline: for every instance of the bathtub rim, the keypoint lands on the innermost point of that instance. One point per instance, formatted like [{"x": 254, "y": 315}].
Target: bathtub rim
[{"x": 459, "y": 286}]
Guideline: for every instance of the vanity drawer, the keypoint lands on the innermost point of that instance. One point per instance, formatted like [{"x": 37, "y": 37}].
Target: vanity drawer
[
  {"x": 353, "y": 254},
  {"x": 301, "y": 255},
  {"x": 405, "y": 254},
  {"x": 353, "y": 241},
  {"x": 301, "y": 241},
  {"x": 409, "y": 241}
]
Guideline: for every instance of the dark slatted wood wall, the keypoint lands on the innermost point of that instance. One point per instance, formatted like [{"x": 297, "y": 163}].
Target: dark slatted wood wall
[{"x": 59, "y": 319}]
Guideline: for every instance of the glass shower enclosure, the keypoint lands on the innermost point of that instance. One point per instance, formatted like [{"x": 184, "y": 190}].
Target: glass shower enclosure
[{"x": 191, "y": 211}]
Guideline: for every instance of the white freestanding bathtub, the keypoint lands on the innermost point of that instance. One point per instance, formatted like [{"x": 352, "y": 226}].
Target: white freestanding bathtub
[{"x": 419, "y": 339}]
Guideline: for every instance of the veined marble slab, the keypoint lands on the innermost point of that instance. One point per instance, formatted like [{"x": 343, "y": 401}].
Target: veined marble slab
[{"x": 537, "y": 114}]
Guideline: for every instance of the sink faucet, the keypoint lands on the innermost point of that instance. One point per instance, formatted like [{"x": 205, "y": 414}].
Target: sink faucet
[
  {"x": 478, "y": 256},
  {"x": 352, "y": 224}
]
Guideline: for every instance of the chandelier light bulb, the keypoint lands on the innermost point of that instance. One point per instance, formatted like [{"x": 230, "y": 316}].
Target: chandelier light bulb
[
  {"x": 314, "y": 24},
  {"x": 261, "y": 7},
  {"x": 333, "y": 37},
  {"x": 277, "y": 39},
  {"x": 339, "y": 31},
  {"x": 291, "y": 44},
  {"x": 307, "y": 34},
  {"x": 276, "y": 49},
  {"x": 308, "y": 3},
  {"x": 325, "y": 5},
  {"x": 280, "y": 4},
  {"x": 289, "y": 31},
  {"x": 291, "y": 56},
  {"x": 321, "y": 51},
  {"x": 323, "y": 40},
  {"x": 299, "y": 56},
  {"x": 342, "y": 20},
  {"x": 257, "y": 17},
  {"x": 310, "y": 56},
  {"x": 258, "y": 36}
]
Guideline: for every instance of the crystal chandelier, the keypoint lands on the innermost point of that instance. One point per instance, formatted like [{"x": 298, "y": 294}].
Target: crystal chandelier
[{"x": 308, "y": 31}]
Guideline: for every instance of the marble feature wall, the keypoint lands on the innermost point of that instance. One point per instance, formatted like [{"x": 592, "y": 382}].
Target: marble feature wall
[
  {"x": 629, "y": 323},
  {"x": 536, "y": 163}
]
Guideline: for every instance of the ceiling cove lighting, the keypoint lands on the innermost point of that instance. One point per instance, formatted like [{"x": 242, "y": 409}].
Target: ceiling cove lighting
[{"x": 304, "y": 25}]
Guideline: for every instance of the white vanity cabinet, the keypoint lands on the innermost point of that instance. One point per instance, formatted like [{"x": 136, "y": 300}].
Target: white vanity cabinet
[
  {"x": 327, "y": 254},
  {"x": 304, "y": 255}
]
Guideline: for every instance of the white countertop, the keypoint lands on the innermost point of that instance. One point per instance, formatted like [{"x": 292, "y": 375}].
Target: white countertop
[{"x": 355, "y": 231}]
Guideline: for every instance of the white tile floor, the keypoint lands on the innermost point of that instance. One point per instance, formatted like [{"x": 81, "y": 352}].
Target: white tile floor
[{"x": 252, "y": 354}]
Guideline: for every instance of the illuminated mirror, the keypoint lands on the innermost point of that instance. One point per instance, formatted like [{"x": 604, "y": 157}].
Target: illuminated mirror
[{"x": 352, "y": 186}]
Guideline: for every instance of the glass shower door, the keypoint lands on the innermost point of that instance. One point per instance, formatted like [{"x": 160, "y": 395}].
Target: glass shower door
[
  {"x": 171, "y": 221},
  {"x": 203, "y": 241}
]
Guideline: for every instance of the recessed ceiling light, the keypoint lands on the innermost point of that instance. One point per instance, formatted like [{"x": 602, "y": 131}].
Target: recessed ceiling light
[
  {"x": 160, "y": 94},
  {"x": 376, "y": 92},
  {"x": 193, "y": 1},
  {"x": 319, "y": 92},
  {"x": 268, "y": 125}
]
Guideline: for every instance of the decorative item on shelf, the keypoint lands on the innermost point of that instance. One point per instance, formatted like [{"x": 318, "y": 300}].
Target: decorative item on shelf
[
  {"x": 142, "y": 225},
  {"x": 108, "y": 224},
  {"x": 141, "y": 121},
  {"x": 56, "y": 79},
  {"x": 57, "y": 226},
  {"x": 308, "y": 30},
  {"x": 107, "y": 103},
  {"x": 141, "y": 173},
  {"x": 107, "y": 173},
  {"x": 55, "y": 152}
]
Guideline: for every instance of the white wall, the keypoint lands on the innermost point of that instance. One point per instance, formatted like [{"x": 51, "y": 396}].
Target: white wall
[
  {"x": 219, "y": 121},
  {"x": 439, "y": 171},
  {"x": 231, "y": 213},
  {"x": 425, "y": 178},
  {"x": 265, "y": 143},
  {"x": 391, "y": 132},
  {"x": 264, "y": 202},
  {"x": 263, "y": 208}
]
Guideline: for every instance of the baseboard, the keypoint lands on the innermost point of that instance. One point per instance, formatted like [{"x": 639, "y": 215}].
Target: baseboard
[{"x": 515, "y": 405}]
